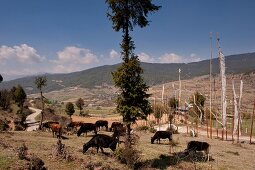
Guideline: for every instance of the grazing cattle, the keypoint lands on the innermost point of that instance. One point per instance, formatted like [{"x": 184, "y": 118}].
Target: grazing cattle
[
  {"x": 56, "y": 129},
  {"x": 198, "y": 146},
  {"x": 86, "y": 127},
  {"x": 101, "y": 141},
  {"x": 47, "y": 125},
  {"x": 73, "y": 125},
  {"x": 161, "y": 135},
  {"x": 119, "y": 131},
  {"x": 102, "y": 123},
  {"x": 114, "y": 125}
]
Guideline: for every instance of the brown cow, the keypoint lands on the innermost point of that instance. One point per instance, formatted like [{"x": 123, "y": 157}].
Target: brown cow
[
  {"x": 56, "y": 129},
  {"x": 74, "y": 125}
]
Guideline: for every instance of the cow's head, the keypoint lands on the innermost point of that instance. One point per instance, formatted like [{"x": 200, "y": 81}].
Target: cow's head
[
  {"x": 85, "y": 148},
  {"x": 152, "y": 140},
  {"x": 112, "y": 146}
]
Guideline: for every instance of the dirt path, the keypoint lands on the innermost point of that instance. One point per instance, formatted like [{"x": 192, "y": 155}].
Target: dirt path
[
  {"x": 33, "y": 125},
  {"x": 183, "y": 129}
]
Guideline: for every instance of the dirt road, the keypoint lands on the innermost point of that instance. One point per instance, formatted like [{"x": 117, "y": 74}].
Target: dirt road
[
  {"x": 183, "y": 129},
  {"x": 33, "y": 125}
]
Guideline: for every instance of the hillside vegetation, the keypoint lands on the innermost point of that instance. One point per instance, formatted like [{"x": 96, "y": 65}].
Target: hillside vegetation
[{"x": 154, "y": 73}]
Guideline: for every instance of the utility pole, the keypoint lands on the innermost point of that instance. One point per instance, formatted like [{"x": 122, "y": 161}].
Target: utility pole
[
  {"x": 179, "y": 89},
  {"x": 211, "y": 86},
  {"x": 252, "y": 117}
]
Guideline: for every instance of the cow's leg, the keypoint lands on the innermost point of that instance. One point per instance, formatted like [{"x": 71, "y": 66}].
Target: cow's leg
[
  {"x": 207, "y": 153},
  {"x": 102, "y": 149},
  {"x": 97, "y": 148}
]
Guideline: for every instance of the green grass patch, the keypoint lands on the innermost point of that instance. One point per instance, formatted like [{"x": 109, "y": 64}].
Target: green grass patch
[{"x": 6, "y": 162}]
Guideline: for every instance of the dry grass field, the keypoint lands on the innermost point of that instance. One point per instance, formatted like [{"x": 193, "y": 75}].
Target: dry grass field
[{"x": 224, "y": 154}]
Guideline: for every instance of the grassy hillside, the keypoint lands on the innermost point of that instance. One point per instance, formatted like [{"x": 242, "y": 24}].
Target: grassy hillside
[{"x": 154, "y": 73}]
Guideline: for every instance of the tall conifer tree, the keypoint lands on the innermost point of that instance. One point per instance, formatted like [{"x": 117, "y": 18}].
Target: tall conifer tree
[{"x": 132, "y": 102}]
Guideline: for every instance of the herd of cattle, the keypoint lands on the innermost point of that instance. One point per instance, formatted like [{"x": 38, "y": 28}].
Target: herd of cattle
[{"x": 104, "y": 141}]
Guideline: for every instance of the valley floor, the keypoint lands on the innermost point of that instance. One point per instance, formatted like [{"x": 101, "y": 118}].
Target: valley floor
[{"x": 224, "y": 154}]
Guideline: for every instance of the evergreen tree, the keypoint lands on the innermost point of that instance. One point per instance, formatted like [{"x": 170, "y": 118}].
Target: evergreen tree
[
  {"x": 1, "y": 78},
  {"x": 5, "y": 99},
  {"x": 173, "y": 103},
  {"x": 41, "y": 82},
  {"x": 69, "y": 109},
  {"x": 20, "y": 97},
  {"x": 132, "y": 102},
  {"x": 80, "y": 103}
]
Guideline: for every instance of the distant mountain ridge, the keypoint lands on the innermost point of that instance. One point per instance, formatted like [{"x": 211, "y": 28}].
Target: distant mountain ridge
[{"x": 154, "y": 73}]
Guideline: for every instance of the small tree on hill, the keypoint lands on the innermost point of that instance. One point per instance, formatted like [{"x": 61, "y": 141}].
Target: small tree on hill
[
  {"x": 20, "y": 97},
  {"x": 80, "y": 103},
  {"x": 41, "y": 82},
  {"x": 158, "y": 112},
  {"x": 5, "y": 99},
  {"x": 69, "y": 109},
  {"x": 132, "y": 102},
  {"x": 1, "y": 78},
  {"x": 198, "y": 101},
  {"x": 173, "y": 103}
]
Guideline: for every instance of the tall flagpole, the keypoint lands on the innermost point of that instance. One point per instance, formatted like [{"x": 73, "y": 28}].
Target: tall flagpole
[
  {"x": 223, "y": 87},
  {"x": 180, "y": 87},
  {"x": 211, "y": 86}
]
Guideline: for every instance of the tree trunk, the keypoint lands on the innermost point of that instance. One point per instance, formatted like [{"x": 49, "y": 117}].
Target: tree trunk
[
  {"x": 42, "y": 113},
  {"x": 128, "y": 137}
]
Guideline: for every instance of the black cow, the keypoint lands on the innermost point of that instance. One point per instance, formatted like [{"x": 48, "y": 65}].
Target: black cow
[
  {"x": 119, "y": 131},
  {"x": 101, "y": 141},
  {"x": 114, "y": 125},
  {"x": 161, "y": 135},
  {"x": 86, "y": 127},
  {"x": 102, "y": 123},
  {"x": 198, "y": 146}
]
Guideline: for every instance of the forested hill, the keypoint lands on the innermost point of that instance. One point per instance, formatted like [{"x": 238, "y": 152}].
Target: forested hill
[{"x": 154, "y": 73}]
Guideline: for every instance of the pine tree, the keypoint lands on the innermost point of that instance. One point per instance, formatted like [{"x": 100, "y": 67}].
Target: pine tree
[
  {"x": 69, "y": 109},
  {"x": 80, "y": 103},
  {"x": 1, "y": 78},
  {"x": 132, "y": 102}
]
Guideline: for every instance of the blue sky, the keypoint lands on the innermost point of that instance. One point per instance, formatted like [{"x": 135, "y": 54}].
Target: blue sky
[{"x": 60, "y": 36}]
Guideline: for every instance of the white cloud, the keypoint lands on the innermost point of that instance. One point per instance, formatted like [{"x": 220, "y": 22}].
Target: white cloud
[
  {"x": 146, "y": 58},
  {"x": 76, "y": 55},
  {"x": 22, "y": 53},
  {"x": 171, "y": 58},
  {"x": 114, "y": 54},
  {"x": 175, "y": 58},
  {"x": 73, "y": 59},
  {"x": 194, "y": 58}
]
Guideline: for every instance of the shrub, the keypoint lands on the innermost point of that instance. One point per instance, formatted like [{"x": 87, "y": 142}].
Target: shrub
[
  {"x": 128, "y": 156},
  {"x": 60, "y": 152},
  {"x": 141, "y": 128},
  {"x": 3, "y": 125},
  {"x": 35, "y": 163},
  {"x": 152, "y": 130},
  {"x": 22, "y": 152}
]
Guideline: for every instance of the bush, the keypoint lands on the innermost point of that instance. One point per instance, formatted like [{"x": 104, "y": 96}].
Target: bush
[
  {"x": 22, "y": 152},
  {"x": 60, "y": 152},
  {"x": 35, "y": 163},
  {"x": 152, "y": 130},
  {"x": 128, "y": 156},
  {"x": 141, "y": 128},
  {"x": 3, "y": 125}
]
